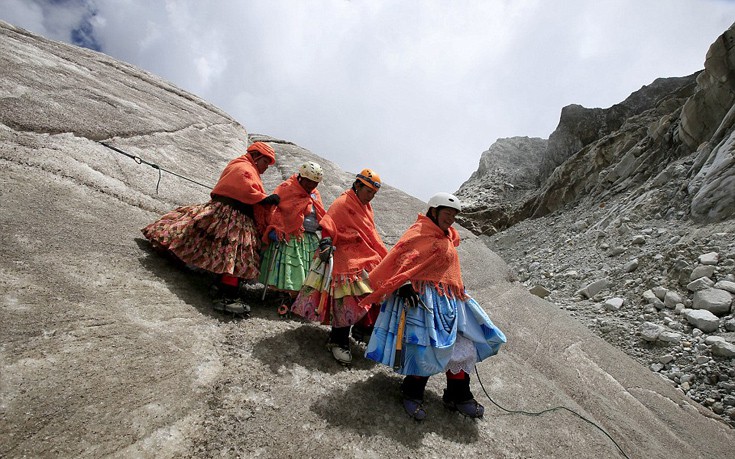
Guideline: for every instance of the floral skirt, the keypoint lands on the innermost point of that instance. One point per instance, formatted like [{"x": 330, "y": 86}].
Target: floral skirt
[
  {"x": 452, "y": 335},
  {"x": 213, "y": 236},
  {"x": 337, "y": 304},
  {"x": 289, "y": 262}
]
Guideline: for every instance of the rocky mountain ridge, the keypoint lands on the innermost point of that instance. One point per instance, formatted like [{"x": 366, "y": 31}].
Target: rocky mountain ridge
[
  {"x": 631, "y": 227},
  {"x": 598, "y": 155}
]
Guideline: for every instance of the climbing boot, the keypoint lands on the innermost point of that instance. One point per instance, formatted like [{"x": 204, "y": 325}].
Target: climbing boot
[
  {"x": 229, "y": 305},
  {"x": 412, "y": 396},
  {"x": 361, "y": 334},
  {"x": 341, "y": 354},
  {"x": 458, "y": 397},
  {"x": 338, "y": 344}
]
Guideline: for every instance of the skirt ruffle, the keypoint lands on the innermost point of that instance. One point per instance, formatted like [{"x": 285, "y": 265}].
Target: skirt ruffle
[
  {"x": 430, "y": 337},
  {"x": 213, "y": 236},
  {"x": 289, "y": 262},
  {"x": 337, "y": 305}
]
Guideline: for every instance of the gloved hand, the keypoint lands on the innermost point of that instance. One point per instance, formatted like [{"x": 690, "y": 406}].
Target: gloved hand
[
  {"x": 273, "y": 199},
  {"x": 272, "y": 235},
  {"x": 408, "y": 294},
  {"x": 325, "y": 249}
]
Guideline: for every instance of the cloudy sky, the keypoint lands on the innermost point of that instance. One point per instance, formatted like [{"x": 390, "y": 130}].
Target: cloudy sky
[{"x": 415, "y": 89}]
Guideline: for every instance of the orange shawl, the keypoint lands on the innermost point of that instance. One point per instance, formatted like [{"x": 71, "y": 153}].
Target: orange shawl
[
  {"x": 287, "y": 219},
  {"x": 240, "y": 180},
  {"x": 351, "y": 226},
  {"x": 424, "y": 254}
]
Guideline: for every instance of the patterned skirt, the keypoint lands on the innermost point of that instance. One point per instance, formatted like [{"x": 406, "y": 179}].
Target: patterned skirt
[
  {"x": 289, "y": 262},
  {"x": 452, "y": 335},
  {"x": 214, "y": 236},
  {"x": 337, "y": 305}
]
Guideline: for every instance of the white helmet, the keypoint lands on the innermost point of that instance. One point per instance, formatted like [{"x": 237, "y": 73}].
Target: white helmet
[
  {"x": 311, "y": 171},
  {"x": 445, "y": 200}
]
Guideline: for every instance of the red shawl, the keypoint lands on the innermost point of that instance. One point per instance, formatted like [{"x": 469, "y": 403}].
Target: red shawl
[
  {"x": 351, "y": 226},
  {"x": 424, "y": 254},
  {"x": 240, "y": 180},
  {"x": 287, "y": 219}
]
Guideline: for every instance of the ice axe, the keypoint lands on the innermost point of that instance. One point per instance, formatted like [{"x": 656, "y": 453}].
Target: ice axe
[
  {"x": 398, "y": 357},
  {"x": 327, "y": 281},
  {"x": 268, "y": 271}
]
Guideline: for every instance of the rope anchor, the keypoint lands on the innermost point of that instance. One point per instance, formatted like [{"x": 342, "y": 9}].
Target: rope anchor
[{"x": 160, "y": 169}]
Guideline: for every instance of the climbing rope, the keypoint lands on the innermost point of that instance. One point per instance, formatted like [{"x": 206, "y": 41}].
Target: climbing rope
[
  {"x": 140, "y": 160},
  {"x": 556, "y": 408}
]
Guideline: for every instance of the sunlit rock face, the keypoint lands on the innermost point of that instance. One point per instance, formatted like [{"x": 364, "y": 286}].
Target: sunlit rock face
[{"x": 707, "y": 125}]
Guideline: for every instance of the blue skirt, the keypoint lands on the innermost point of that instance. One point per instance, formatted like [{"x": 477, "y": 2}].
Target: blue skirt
[{"x": 430, "y": 336}]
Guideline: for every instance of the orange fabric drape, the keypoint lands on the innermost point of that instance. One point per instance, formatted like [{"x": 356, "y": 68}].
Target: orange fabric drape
[
  {"x": 241, "y": 181},
  {"x": 288, "y": 217},
  {"x": 351, "y": 226},
  {"x": 424, "y": 254}
]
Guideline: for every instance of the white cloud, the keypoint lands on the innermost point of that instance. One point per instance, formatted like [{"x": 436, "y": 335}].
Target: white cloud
[
  {"x": 27, "y": 14},
  {"x": 414, "y": 89}
]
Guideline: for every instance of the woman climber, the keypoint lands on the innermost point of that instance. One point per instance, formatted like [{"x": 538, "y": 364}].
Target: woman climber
[
  {"x": 428, "y": 324},
  {"x": 222, "y": 236},
  {"x": 351, "y": 246}
]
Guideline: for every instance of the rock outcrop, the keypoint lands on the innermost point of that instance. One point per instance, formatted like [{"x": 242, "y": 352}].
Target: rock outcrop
[
  {"x": 634, "y": 234},
  {"x": 507, "y": 174},
  {"x": 107, "y": 349},
  {"x": 579, "y": 126},
  {"x": 708, "y": 125},
  {"x": 668, "y": 147}
]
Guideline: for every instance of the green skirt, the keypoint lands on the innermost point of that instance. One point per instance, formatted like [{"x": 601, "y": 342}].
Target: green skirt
[{"x": 289, "y": 262}]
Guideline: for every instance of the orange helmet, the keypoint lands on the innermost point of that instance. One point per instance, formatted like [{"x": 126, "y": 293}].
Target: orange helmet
[
  {"x": 369, "y": 178},
  {"x": 265, "y": 150}
]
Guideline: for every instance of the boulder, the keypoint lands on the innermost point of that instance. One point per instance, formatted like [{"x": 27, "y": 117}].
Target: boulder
[
  {"x": 710, "y": 258},
  {"x": 669, "y": 337},
  {"x": 671, "y": 299},
  {"x": 540, "y": 291},
  {"x": 594, "y": 288},
  {"x": 713, "y": 300},
  {"x": 725, "y": 285},
  {"x": 638, "y": 239},
  {"x": 702, "y": 319},
  {"x": 651, "y": 331},
  {"x": 723, "y": 349},
  {"x": 660, "y": 292},
  {"x": 613, "y": 304},
  {"x": 630, "y": 266},
  {"x": 702, "y": 271},
  {"x": 652, "y": 298},
  {"x": 700, "y": 284}
]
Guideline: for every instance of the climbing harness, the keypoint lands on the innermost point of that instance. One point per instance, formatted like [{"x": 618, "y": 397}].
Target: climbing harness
[
  {"x": 140, "y": 160},
  {"x": 539, "y": 413}
]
